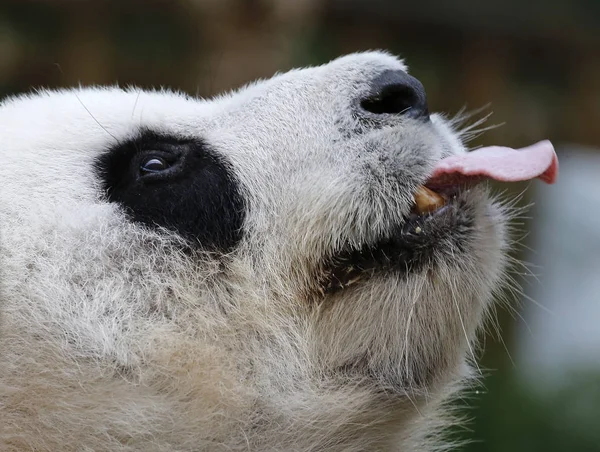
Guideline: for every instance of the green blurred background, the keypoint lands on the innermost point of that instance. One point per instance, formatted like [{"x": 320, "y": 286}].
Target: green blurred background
[{"x": 536, "y": 62}]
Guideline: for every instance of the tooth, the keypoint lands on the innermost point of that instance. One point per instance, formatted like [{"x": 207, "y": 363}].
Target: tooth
[{"x": 427, "y": 200}]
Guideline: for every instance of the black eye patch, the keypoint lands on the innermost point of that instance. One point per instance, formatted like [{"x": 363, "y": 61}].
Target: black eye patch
[{"x": 180, "y": 184}]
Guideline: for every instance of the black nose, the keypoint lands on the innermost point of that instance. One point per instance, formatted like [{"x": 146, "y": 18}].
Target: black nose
[{"x": 396, "y": 92}]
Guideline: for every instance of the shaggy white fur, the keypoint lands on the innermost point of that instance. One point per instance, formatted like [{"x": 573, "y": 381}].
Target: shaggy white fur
[{"x": 114, "y": 337}]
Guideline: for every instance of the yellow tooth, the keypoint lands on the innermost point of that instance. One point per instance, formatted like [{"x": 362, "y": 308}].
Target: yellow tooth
[{"x": 427, "y": 200}]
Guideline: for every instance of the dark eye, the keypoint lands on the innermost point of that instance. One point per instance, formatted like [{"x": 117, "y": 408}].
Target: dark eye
[{"x": 154, "y": 165}]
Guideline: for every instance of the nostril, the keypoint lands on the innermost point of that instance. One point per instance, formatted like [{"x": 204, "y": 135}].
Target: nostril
[
  {"x": 396, "y": 92},
  {"x": 393, "y": 99}
]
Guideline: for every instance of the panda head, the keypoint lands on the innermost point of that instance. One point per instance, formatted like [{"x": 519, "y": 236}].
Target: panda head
[{"x": 268, "y": 235}]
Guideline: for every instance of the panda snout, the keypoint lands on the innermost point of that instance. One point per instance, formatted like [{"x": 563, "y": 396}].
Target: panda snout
[{"x": 395, "y": 92}]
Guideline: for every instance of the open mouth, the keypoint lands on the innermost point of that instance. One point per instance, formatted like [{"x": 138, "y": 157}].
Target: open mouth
[
  {"x": 441, "y": 214},
  {"x": 435, "y": 217}
]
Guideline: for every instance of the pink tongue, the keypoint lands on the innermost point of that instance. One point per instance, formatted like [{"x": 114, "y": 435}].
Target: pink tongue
[{"x": 501, "y": 164}]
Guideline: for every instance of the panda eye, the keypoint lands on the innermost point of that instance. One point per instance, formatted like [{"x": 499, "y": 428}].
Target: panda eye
[{"x": 154, "y": 165}]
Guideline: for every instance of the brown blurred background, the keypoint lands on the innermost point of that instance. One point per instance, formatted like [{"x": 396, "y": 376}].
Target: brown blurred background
[{"x": 536, "y": 62}]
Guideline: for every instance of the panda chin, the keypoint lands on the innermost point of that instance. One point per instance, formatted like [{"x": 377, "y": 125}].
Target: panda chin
[{"x": 418, "y": 243}]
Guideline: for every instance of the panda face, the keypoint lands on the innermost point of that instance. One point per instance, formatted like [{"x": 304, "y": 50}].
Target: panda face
[{"x": 252, "y": 263}]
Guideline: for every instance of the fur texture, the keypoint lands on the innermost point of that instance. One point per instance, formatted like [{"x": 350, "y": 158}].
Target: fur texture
[{"x": 118, "y": 336}]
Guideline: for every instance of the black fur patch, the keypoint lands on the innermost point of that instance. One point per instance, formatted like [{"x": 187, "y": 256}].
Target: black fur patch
[{"x": 196, "y": 194}]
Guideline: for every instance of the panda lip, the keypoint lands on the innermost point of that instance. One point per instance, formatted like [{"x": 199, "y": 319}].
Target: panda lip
[{"x": 408, "y": 246}]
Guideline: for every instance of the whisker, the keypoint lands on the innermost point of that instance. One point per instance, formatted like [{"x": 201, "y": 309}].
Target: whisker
[
  {"x": 463, "y": 115},
  {"x": 405, "y": 349},
  {"x": 453, "y": 291},
  {"x": 468, "y": 132},
  {"x": 136, "y": 102},
  {"x": 496, "y": 326},
  {"x": 94, "y": 118}
]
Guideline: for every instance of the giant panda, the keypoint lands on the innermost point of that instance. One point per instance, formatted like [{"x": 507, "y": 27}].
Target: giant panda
[{"x": 300, "y": 265}]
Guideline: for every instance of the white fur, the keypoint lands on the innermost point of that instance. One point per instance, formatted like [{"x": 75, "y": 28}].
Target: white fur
[{"x": 113, "y": 340}]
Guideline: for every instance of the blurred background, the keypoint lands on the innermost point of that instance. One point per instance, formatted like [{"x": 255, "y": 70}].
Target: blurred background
[{"x": 535, "y": 62}]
